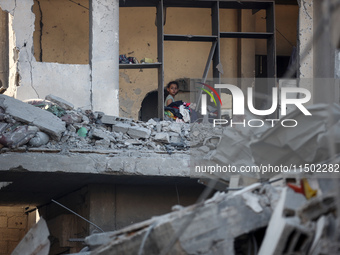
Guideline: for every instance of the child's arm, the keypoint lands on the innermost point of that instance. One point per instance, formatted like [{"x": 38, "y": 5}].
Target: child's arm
[{"x": 169, "y": 101}]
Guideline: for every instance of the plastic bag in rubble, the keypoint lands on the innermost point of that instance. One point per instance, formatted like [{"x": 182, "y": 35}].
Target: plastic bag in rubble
[
  {"x": 48, "y": 106},
  {"x": 15, "y": 136}
]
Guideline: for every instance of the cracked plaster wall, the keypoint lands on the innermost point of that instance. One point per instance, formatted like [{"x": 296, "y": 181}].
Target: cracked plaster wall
[
  {"x": 99, "y": 89},
  {"x": 61, "y": 32},
  {"x": 40, "y": 79},
  {"x": 93, "y": 86}
]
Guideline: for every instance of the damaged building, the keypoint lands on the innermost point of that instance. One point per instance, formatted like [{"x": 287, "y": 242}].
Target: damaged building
[{"x": 89, "y": 165}]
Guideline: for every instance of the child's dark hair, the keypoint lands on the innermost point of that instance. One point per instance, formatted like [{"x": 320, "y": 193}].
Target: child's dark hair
[
  {"x": 166, "y": 93},
  {"x": 172, "y": 82}
]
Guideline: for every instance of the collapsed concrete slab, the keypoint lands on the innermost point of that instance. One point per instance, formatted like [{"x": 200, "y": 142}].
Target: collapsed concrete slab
[
  {"x": 308, "y": 142},
  {"x": 212, "y": 228},
  {"x": 59, "y": 101},
  {"x": 35, "y": 241},
  {"x": 139, "y": 132},
  {"x": 285, "y": 233},
  {"x": 29, "y": 114},
  {"x": 100, "y": 162}
]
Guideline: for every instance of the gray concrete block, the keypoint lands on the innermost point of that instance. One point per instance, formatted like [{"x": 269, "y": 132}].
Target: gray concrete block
[
  {"x": 44, "y": 120},
  {"x": 139, "y": 132},
  {"x": 121, "y": 127},
  {"x": 108, "y": 119},
  {"x": 105, "y": 143},
  {"x": 98, "y": 133},
  {"x": 59, "y": 101},
  {"x": 162, "y": 137},
  {"x": 175, "y": 127},
  {"x": 204, "y": 149},
  {"x": 152, "y": 122},
  {"x": 318, "y": 206},
  {"x": 143, "y": 164},
  {"x": 285, "y": 233}
]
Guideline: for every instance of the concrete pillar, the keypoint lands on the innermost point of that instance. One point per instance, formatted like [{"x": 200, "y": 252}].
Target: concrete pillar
[
  {"x": 4, "y": 64},
  {"x": 104, "y": 55},
  {"x": 324, "y": 54},
  {"x": 12, "y": 61},
  {"x": 337, "y": 64},
  {"x": 305, "y": 27},
  {"x": 305, "y": 51},
  {"x": 102, "y": 206}
]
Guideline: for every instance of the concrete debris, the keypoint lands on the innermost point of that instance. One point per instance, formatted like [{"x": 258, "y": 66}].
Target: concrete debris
[
  {"x": 121, "y": 127},
  {"x": 267, "y": 218},
  {"x": 35, "y": 241},
  {"x": 285, "y": 233},
  {"x": 15, "y": 136},
  {"x": 325, "y": 241},
  {"x": 39, "y": 139},
  {"x": 309, "y": 143},
  {"x": 71, "y": 118},
  {"x": 162, "y": 137},
  {"x": 314, "y": 208},
  {"x": 204, "y": 149},
  {"x": 71, "y": 128},
  {"x": 32, "y": 115},
  {"x": 59, "y": 101},
  {"x": 214, "y": 226},
  {"x": 107, "y": 119},
  {"x": 260, "y": 219},
  {"x": 265, "y": 152},
  {"x": 212, "y": 142},
  {"x": 252, "y": 201},
  {"x": 139, "y": 132}
]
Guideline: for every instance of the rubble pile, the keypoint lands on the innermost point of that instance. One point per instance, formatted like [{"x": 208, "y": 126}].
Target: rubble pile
[
  {"x": 53, "y": 123},
  {"x": 263, "y": 218},
  {"x": 271, "y": 213}
]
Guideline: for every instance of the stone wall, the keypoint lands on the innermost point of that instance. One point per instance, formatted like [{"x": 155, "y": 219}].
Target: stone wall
[{"x": 13, "y": 227}]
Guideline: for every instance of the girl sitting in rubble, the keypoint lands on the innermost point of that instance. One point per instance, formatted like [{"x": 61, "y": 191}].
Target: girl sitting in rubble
[
  {"x": 172, "y": 89},
  {"x": 176, "y": 110}
]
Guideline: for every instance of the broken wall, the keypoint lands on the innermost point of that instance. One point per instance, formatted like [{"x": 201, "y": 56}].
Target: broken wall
[
  {"x": 61, "y": 32},
  {"x": 8, "y": 56},
  {"x": 13, "y": 227},
  {"x": 34, "y": 83},
  {"x": 87, "y": 86},
  {"x": 3, "y": 50},
  {"x": 61, "y": 41}
]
